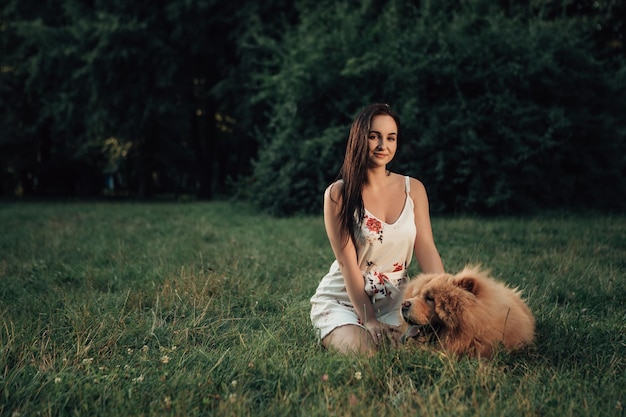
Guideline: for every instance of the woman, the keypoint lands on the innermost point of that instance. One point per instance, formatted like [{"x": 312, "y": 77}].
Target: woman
[{"x": 375, "y": 220}]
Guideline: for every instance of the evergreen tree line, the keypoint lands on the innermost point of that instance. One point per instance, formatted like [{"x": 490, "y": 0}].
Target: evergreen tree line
[{"x": 506, "y": 106}]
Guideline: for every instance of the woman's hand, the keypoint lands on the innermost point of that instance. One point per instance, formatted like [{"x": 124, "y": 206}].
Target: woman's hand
[{"x": 381, "y": 331}]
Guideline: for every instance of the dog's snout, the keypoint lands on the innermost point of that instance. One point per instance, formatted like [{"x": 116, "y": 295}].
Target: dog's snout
[{"x": 406, "y": 305}]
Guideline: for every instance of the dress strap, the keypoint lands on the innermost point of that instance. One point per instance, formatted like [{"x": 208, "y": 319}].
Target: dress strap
[{"x": 407, "y": 184}]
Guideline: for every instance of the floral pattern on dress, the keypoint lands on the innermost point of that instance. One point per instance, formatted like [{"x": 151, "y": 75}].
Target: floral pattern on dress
[
  {"x": 374, "y": 229},
  {"x": 378, "y": 285},
  {"x": 400, "y": 282},
  {"x": 375, "y": 285}
]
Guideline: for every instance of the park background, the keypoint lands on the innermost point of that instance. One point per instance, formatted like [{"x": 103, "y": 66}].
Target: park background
[
  {"x": 506, "y": 106},
  {"x": 161, "y": 174}
]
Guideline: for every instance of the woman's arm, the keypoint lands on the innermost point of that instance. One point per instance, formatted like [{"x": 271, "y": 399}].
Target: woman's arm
[
  {"x": 345, "y": 253},
  {"x": 424, "y": 248}
]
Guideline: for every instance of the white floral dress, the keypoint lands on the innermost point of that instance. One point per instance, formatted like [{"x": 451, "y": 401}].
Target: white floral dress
[{"x": 384, "y": 252}]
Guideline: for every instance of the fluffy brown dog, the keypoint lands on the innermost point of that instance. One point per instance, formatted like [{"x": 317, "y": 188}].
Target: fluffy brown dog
[{"x": 467, "y": 313}]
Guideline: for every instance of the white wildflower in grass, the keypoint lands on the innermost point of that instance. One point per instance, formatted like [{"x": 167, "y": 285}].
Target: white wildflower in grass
[
  {"x": 57, "y": 380},
  {"x": 165, "y": 359},
  {"x": 357, "y": 375},
  {"x": 166, "y": 349},
  {"x": 145, "y": 348},
  {"x": 234, "y": 383},
  {"x": 167, "y": 402},
  {"x": 138, "y": 379},
  {"x": 130, "y": 351},
  {"x": 87, "y": 361}
]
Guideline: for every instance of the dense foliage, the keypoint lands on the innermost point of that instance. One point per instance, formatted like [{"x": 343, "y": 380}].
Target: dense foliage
[
  {"x": 113, "y": 89},
  {"x": 499, "y": 112},
  {"x": 506, "y": 106}
]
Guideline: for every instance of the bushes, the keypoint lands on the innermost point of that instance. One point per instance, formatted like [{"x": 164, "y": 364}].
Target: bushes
[
  {"x": 504, "y": 107},
  {"x": 500, "y": 113}
]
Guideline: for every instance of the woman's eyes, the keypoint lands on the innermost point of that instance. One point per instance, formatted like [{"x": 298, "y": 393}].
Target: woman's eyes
[{"x": 375, "y": 137}]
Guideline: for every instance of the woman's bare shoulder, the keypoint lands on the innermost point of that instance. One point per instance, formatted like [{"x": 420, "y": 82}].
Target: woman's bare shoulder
[
  {"x": 416, "y": 184},
  {"x": 334, "y": 191},
  {"x": 418, "y": 191}
]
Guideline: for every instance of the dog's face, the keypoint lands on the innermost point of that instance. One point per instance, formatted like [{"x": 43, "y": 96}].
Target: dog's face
[
  {"x": 469, "y": 312},
  {"x": 435, "y": 302}
]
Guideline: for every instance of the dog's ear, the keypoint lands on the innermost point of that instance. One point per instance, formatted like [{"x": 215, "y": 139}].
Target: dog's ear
[{"x": 468, "y": 284}]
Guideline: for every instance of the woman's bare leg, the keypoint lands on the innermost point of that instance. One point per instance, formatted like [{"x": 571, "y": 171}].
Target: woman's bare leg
[{"x": 350, "y": 339}]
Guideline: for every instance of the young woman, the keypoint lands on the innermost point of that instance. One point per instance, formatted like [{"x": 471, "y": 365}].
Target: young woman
[{"x": 375, "y": 220}]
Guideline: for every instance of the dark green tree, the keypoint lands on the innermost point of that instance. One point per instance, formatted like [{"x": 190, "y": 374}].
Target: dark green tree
[
  {"x": 503, "y": 109},
  {"x": 117, "y": 87},
  {"x": 505, "y": 105}
]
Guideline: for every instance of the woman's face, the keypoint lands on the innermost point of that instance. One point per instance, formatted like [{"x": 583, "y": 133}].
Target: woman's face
[{"x": 382, "y": 140}]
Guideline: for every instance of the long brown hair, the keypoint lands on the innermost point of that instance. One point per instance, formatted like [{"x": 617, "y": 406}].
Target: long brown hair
[{"x": 354, "y": 169}]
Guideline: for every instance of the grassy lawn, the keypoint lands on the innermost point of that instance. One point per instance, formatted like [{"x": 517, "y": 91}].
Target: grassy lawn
[{"x": 128, "y": 309}]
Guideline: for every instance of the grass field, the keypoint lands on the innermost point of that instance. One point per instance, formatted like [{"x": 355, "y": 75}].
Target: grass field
[{"x": 129, "y": 309}]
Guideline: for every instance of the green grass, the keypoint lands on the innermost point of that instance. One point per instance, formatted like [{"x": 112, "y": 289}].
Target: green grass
[{"x": 122, "y": 309}]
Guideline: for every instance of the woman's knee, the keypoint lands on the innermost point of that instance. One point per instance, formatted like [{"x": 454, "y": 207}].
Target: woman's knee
[{"x": 349, "y": 339}]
